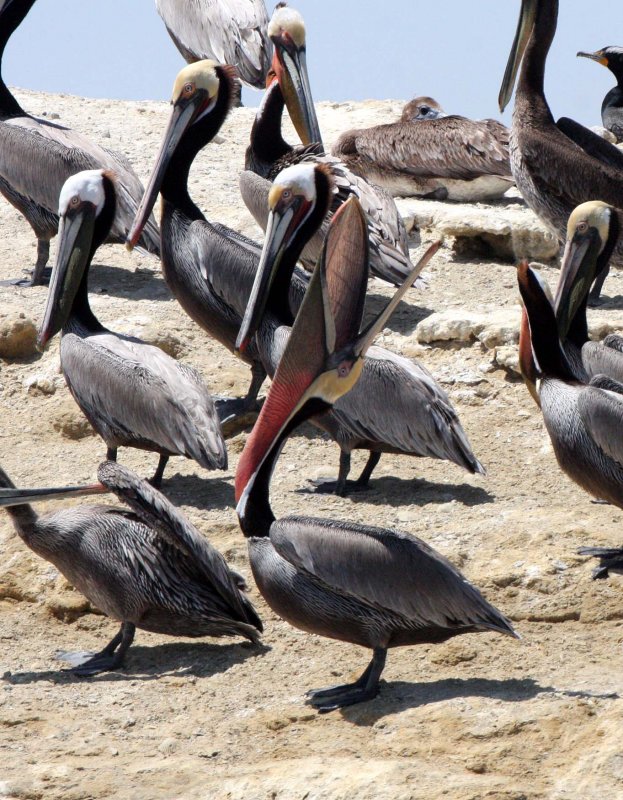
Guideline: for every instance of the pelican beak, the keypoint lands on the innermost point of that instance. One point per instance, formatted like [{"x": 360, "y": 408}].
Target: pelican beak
[
  {"x": 183, "y": 114},
  {"x": 284, "y": 220},
  {"x": 290, "y": 65},
  {"x": 74, "y": 250},
  {"x": 17, "y": 497},
  {"x": 577, "y": 272},
  {"x": 324, "y": 355},
  {"x": 527, "y": 365},
  {"x": 527, "y": 17},
  {"x": 597, "y": 56}
]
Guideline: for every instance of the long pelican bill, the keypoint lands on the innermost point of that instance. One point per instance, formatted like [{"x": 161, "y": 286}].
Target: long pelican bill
[
  {"x": 294, "y": 82},
  {"x": 75, "y": 242},
  {"x": 180, "y": 119},
  {"x": 587, "y": 235},
  {"x": 527, "y": 17},
  {"x": 16, "y": 497},
  {"x": 324, "y": 355}
]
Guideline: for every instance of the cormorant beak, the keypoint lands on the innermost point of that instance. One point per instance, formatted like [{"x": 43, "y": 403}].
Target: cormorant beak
[
  {"x": 290, "y": 66},
  {"x": 577, "y": 273},
  {"x": 527, "y": 17},
  {"x": 324, "y": 355},
  {"x": 597, "y": 56},
  {"x": 17, "y": 497},
  {"x": 184, "y": 113},
  {"x": 75, "y": 247},
  {"x": 284, "y": 220}
]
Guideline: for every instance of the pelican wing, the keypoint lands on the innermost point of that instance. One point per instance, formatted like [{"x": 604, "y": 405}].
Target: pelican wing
[
  {"x": 591, "y": 143},
  {"x": 37, "y": 157},
  {"x": 398, "y": 404},
  {"x": 387, "y": 569},
  {"x": 601, "y": 412},
  {"x": 451, "y": 147},
  {"x": 133, "y": 391},
  {"x": 228, "y": 31},
  {"x": 156, "y": 512}
]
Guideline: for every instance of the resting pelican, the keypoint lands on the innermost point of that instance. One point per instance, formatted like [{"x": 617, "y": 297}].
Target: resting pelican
[
  {"x": 37, "y": 156},
  {"x": 133, "y": 393},
  {"x": 209, "y": 268},
  {"x": 227, "y": 31},
  {"x": 583, "y": 420},
  {"x": 445, "y": 158},
  {"x": 552, "y": 172},
  {"x": 396, "y": 406},
  {"x": 592, "y": 232},
  {"x": 374, "y": 587},
  {"x": 148, "y": 568},
  {"x": 612, "y": 106},
  {"x": 268, "y": 154}
]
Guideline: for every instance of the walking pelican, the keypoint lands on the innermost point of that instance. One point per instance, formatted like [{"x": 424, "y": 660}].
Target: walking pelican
[
  {"x": 208, "y": 267},
  {"x": 552, "y": 172},
  {"x": 374, "y": 587},
  {"x": 268, "y": 154},
  {"x": 37, "y": 156},
  {"x": 227, "y": 31},
  {"x": 446, "y": 157},
  {"x": 148, "y": 568},
  {"x": 133, "y": 393},
  {"x": 396, "y": 406}
]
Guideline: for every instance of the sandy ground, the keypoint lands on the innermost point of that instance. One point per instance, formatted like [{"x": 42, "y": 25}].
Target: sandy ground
[{"x": 480, "y": 717}]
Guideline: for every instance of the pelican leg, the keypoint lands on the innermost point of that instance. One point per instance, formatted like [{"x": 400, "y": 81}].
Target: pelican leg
[
  {"x": 595, "y": 293},
  {"x": 258, "y": 375},
  {"x": 111, "y": 454},
  {"x": 156, "y": 481},
  {"x": 364, "y": 688},
  {"x": 337, "y": 487},
  {"x": 40, "y": 275},
  {"x": 112, "y": 655},
  {"x": 364, "y": 478}
]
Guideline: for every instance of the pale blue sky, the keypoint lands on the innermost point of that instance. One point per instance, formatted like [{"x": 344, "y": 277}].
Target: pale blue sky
[{"x": 356, "y": 49}]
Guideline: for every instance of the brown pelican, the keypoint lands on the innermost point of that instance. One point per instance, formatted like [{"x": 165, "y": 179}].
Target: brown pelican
[
  {"x": 209, "y": 268},
  {"x": 592, "y": 232},
  {"x": 445, "y": 158},
  {"x": 373, "y": 587},
  {"x": 148, "y": 568},
  {"x": 584, "y": 421},
  {"x": 556, "y": 166},
  {"x": 227, "y": 31},
  {"x": 268, "y": 154},
  {"x": 133, "y": 393},
  {"x": 396, "y": 406},
  {"x": 37, "y": 156},
  {"x": 612, "y": 106}
]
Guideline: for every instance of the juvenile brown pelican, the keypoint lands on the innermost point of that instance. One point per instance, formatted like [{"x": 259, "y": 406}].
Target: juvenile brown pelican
[
  {"x": 584, "y": 421},
  {"x": 554, "y": 172},
  {"x": 133, "y": 393},
  {"x": 373, "y": 587},
  {"x": 209, "y": 268},
  {"x": 37, "y": 157},
  {"x": 592, "y": 232},
  {"x": 227, "y": 31},
  {"x": 268, "y": 153},
  {"x": 612, "y": 106},
  {"x": 446, "y": 157},
  {"x": 396, "y": 406},
  {"x": 148, "y": 568}
]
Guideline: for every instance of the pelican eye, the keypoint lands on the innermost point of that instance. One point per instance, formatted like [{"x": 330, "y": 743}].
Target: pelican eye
[
  {"x": 188, "y": 89},
  {"x": 75, "y": 201},
  {"x": 582, "y": 227},
  {"x": 286, "y": 194},
  {"x": 424, "y": 110},
  {"x": 344, "y": 369}
]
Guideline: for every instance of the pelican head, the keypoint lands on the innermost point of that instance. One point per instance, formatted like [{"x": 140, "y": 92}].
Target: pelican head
[
  {"x": 287, "y": 32},
  {"x": 298, "y": 201},
  {"x": 422, "y": 108},
  {"x": 86, "y": 210},
  {"x": 525, "y": 26},
  {"x": 202, "y": 95},
  {"x": 323, "y": 358},
  {"x": 591, "y": 236}
]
